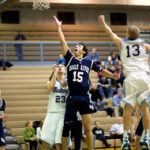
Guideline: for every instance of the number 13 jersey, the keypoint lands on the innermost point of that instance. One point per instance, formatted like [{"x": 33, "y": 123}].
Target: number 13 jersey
[
  {"x": 57, "y": 99},
  {"x": 134, "y": 56}
]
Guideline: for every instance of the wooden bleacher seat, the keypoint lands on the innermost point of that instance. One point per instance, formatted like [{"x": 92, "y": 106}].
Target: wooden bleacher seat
[{"x": 26, "y": 95}]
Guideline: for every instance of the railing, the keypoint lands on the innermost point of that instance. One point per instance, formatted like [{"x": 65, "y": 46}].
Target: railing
[{"x": 41, "y": 43}]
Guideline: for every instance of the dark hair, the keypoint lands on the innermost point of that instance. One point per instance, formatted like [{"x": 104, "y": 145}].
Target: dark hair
[{"x": 84, "y": 49}]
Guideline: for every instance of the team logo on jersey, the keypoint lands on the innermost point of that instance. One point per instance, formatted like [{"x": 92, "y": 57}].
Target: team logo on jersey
[{"x": 76, "y": 67}]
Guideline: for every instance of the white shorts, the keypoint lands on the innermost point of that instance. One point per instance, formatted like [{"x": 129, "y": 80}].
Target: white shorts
[
  {"x": 52, "y": 128},
  {"x": 136, "y": 88}
]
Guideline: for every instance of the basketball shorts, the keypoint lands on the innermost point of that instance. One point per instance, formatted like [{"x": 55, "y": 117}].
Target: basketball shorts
[
  {"x": 75, "y": 107},
  {"x": 2, "y": 138},
  {"x": 52, "y": 128},
  {"x": 136, "y": 88}
]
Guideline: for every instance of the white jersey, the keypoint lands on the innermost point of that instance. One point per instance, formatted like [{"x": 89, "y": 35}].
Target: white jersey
[
  {"x": 57, "y": 99},
  {"x": 134, "y": 56}
]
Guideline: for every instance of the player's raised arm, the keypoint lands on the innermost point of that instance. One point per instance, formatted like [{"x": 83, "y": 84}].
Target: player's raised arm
[
  {"x": 51, "y": 83},
  {"x": 117, "y": 40},
  {"x": 61, "y": 36}
]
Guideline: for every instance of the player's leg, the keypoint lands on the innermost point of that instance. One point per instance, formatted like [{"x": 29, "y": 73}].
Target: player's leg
[
  {"x": 59, "y": 130},
  {"x": 49, "y": 130},
  {"x": 126, "y": 122},
  {"x": 146, "y": 125},
  {"x": 86, "y": 120},
  {"x": 70, "y": 115},
  {"x": 144, "y": 100},
  {"x": 2, "y": 147},
  {"x": 128, "y": 103}
]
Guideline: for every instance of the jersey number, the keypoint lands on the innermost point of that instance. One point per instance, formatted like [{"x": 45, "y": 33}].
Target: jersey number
[
  {"x": 77, "y": 76},
  {"x": 136, "y": 50},
  {"x": 60, "y": 99}
]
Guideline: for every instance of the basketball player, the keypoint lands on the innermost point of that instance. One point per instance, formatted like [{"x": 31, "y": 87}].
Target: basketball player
[
  {"x": 54, "y": 121},
  {"x": 2, "y": 116},
  {"x": 137, "y": 83},
  {"x": 78, "y": 69}
]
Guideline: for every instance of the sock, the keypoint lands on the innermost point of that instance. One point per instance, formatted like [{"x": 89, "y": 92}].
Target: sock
[
  {"x": 145, "y": 134},
  {"x": 125, "y": 135}
]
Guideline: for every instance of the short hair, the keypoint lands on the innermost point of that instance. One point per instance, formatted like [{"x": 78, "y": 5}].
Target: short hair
[
  {"x": 133, "y": 32},
  {"x": 84, "y": 49}
]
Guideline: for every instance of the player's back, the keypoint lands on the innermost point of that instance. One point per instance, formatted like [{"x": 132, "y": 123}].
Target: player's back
[
  {"x": 57, "y": 99},
  {"x": 133, "y": 56}
]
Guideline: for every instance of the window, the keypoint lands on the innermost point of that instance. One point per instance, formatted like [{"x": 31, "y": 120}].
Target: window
[
  {"x": 66, "y": 17},
  {"x": 118, "y": 18},
  {"x": 10, "y": 17}
]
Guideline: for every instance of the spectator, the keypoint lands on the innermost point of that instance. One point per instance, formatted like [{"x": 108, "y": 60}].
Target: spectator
[
  {"x": 29, "y": 135},
  {"x": 116, "y": 130},
  {"x": 105, "y": 88},
  {"x": 5, "y": 64},
  {"x": 94, "y": 56},
  {"x": 96, "y": 97},
  {"x": 99, "y": 134},
  {"x": 103, "y": 66},
  {"x": 2, "y": 116},
  {"x": 113, "y": 58},
  {"x": 116, "y": 102},
  {"x": 38, "y": 135},
  {"x": 18, "y": 47},
  {"x": 61, "y": 59}
]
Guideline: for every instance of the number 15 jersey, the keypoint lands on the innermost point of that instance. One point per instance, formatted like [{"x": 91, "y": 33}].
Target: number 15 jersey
[
  {"x": 78, "y": 74},
  {"x": 134, "y": 56}
]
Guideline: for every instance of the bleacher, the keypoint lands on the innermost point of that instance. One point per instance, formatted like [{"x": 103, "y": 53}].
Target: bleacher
[
  {"x": 77, "y": 33},
  {"x": 24, "y": 88},
  {"x": 26, "y": 95}
]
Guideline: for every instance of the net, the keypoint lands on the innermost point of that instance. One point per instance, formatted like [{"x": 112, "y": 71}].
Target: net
[{"x": 41, "y": 4}]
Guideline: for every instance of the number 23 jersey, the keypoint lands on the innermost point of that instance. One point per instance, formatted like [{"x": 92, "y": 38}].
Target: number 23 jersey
[
  {"x": 57, "y": 99},
  {"x": 134, "y": 56}
]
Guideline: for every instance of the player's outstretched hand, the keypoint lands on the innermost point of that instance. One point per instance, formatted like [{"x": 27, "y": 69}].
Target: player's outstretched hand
[
  {"x": 59, "y": 23},
  {"x": 101, "y": 19},
  {"x": 116, "y": 76},
  {"x": 55, "y": 68}
]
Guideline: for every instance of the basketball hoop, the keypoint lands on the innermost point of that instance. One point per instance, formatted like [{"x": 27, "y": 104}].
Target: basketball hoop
[{"x": 41, "y": 4}]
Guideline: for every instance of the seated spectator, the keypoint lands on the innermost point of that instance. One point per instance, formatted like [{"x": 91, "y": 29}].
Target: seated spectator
[
  {"x": 116, "y": 102},
  {"x": 29, "y": 135},
  {"x": 113, "y": 58},
  {"x": 103, "y": 66},
  {"x": 99, "y": 134},
  {"x": 116, "y": 130},
  {"x": 38, "y": 135},
  {"x": 61, "y": 59},
  {"x": 96, "y": 97},
  {"x": 94, "y": 56},
  {"x": 105, "y": 88},
  {"x": 5, "y": 64}
]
